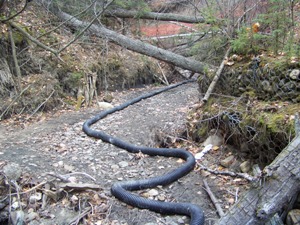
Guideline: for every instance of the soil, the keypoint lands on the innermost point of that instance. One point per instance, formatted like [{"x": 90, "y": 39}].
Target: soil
[{"x": 58, "y": 145}]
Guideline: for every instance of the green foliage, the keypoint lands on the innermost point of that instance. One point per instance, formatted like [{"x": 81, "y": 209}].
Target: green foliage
[
  {"x": 248, "y": 42},
  {"x": 278, "y": 21},
  {"x": 292, "y": 48},
  {"x": 210, "y": 49},
  {"x": 75, "y": 77},
  {"x": 240, "y": 44},
  {"x": 276, "y": 32}
]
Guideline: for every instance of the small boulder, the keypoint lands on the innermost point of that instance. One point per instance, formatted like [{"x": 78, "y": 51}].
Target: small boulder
[
  {"x": 295, "y": 74},
  {"x": 123, "y": 164},
  {"x": 228, "y": 161},
  {"x": 105, "y": 105},
  {"x": 108, "y": 98},
  {"x": 245, "y": 166},
  {"x": 153, "y": 193},
  {"x": 12, "y": 171},
  {"x": 215, "y": 138}
]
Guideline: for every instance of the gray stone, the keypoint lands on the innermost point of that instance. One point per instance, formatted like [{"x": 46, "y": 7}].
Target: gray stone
[
  {"x": 60, "y": 163},
  {"x": 153, "y": 192},
  {"x": 123, "y": 164},
  {"x": 228, "y": 161},
  {"x": 35, "y": 197},
  {"x": 105, "y": 105},
  {"x": 215, "y": 139},
  {"x": 31, "y": 216},
  {"x": 180, "y": 221},
  {"x": 115, "y": 167},
  {"x": 295, "y": 74},
  {"x": 170, "y": 221},
  {"x": 266, "y": 86},
  {"x": 69, "y": 168},
  {"x": 12, "y": 171},
  {"x": 245, "y": 166},
  {"x": 108, "y": 98},
  {"x": 289, "y": 86}
]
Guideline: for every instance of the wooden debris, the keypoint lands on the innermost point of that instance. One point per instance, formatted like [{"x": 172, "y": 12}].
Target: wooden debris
[
  {"x": 280, "y": 181},
  {"x": 229, "y": 173},
  {"x": 216, "y": 78},
  {"x": 65, "y": 177},
  {"x": 79, "y": 187},
  {"x": 213, "y": 199},
  {"x": 80, "y": 216}
]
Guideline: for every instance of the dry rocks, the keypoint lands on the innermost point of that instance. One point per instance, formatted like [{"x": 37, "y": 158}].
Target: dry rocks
[
  {"x": 245, "y": 167},
  {"x": 227, "y": 162}
]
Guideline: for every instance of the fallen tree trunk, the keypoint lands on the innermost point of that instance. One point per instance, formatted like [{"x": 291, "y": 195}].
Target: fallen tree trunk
[
  {"x": 154, "y": 16},
  {"x": 216, "y": 78},
  {"x": 135, "y": 45},
  {"x": 280, "y": 183}
]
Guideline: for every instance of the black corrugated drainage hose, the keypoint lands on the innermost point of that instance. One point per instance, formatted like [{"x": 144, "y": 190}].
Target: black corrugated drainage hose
[{"x": 121, "y": 190}]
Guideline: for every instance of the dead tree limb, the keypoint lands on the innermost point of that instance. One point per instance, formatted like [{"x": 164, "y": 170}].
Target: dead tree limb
[
  {"x": 34, "y": 40},
  {"x": 229, "y": 173},
  {"x": 135, "y": 45},
  {"x": 213, "y": 198},
  {"x": 121, "y": 13},
  {"x": 14, "y": 54},
  {"x": 216, "y": 78},
  {"x": 279, "y": 184},
  {"x": 86, "y": 28}
]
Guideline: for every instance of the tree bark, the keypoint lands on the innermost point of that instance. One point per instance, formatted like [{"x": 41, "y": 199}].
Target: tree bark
[
  {"x": 154, "y": 16},
  {"x": 216, "y": 78},
  {"x": 14, "y": 55},
  {"x": 279, "y": 185},
  {"x": 136, "y": 45}
]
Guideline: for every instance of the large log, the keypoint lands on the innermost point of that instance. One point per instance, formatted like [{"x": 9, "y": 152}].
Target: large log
[
  {"x": 135, "y": 45},
  {"x": 154, "y": 16},
  {"x": 279, "y": 184}
]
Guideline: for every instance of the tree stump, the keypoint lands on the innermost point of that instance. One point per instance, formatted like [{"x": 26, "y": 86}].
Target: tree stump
[{"x": 276, "y": 189}]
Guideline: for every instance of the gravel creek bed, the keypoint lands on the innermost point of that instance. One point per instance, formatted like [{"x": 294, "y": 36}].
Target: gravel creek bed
[{"x": 58, "y": 145}]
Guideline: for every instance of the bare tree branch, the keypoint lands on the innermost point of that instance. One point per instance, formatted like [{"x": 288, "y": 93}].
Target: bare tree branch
[
  {"x": 86, "y": 28},
  {"x": 27, "y": 35},
  {"x": 16, "y": 14},
  {"x": 14, "y": 55}
]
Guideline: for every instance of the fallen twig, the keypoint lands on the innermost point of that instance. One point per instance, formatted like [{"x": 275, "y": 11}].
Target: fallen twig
[
  {"x": 81, "y": 173},
  {"x": 163, "y": 74},
  {"x": 13, "y": 101},
  {"x": 76, "y": 220},
  {"x": 80, "y": 187},
  {"x": 17, "y": 216},
  {"x": 32, "y": 189},
  {"x": 65, "y": 177},
  {"x": 229, "y": 173},
  {"x": 45, "y": 196},
  {"x": 41, "y": 105},
  {"x": 213, "y": 199},
  {"x": 216, "y": 78}
]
